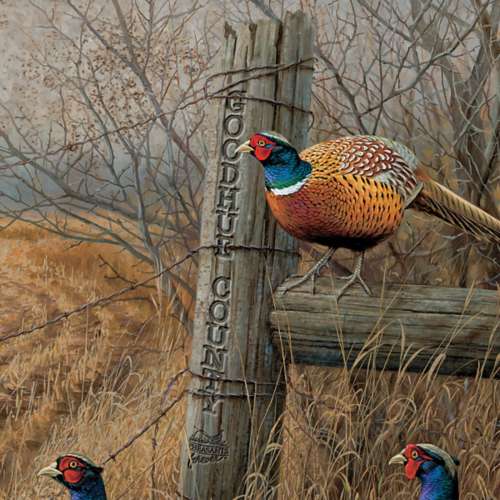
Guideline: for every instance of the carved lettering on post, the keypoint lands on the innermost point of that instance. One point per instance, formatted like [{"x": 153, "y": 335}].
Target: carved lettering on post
[
  {"x": 203, "y": 447},
  {"x": 237, "y": 393}
]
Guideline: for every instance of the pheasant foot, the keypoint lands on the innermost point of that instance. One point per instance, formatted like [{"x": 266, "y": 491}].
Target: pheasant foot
[
  {"x": 353, "y": 278},
  {"x": 313, "y": 273}
]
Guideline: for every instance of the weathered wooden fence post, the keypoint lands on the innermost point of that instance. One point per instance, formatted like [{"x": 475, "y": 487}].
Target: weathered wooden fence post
[
  {"x": 455, "y": 330},
  {"x": 237, "y": 390}
]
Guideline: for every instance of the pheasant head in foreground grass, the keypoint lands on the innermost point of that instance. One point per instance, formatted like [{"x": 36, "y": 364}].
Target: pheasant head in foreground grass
[
  {"x": 352, "y": 192},
  {"x": 79, "y": 475},
  {"x": 436, "y": 470}
]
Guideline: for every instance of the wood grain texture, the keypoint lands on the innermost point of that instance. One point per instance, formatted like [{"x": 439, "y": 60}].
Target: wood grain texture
[
  {"x": 457, "y": 328},
  {"x": 237, "y": 391}
]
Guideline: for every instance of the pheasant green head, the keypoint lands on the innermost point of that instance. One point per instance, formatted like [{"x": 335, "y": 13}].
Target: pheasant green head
[
  {"x": 436, "y": 470},
  {"x": 284, "y": 172}
]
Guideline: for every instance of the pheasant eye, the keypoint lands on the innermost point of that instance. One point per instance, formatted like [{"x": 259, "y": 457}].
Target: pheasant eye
[
  {"x": 261, "y": 143},
  {"x": 73, "y": 464},
  {"x": 414, "y": 454}
]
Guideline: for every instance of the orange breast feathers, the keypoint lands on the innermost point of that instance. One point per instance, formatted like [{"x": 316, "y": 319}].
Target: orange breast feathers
[{"x": 340, "y": 206}]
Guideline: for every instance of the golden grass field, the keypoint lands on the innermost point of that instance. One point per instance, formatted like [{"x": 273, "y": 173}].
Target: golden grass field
[{"x": 91, "y": 382}]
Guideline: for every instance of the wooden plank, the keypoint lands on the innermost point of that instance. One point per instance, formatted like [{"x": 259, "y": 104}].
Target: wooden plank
[
  {"x": 237, "y": 391},
  {"x": 459, "y": 326}
]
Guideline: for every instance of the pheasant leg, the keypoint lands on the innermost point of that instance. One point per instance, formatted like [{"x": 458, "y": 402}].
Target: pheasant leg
[
  {"x": 355, "y": 277},
  {"x": 313, "y": 273}
]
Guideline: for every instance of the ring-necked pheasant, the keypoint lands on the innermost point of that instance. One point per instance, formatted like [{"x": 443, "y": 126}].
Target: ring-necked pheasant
[
  {"x": 79, "y": 475},
  {"x": 352, "y": 192},
  {"x": 436, "y": 470}
]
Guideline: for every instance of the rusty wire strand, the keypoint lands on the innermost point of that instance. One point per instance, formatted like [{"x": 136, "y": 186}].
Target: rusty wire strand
[
  {"x": 138, "y": 434},
  {"x": 214, "y": 95},
  {"x": 102, "y": 301}
]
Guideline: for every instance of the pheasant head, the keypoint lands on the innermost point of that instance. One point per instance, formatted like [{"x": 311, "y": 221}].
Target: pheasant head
[
  {"x": 80, "y": 475},
  {"x": 436, "y": 470},
  {"x": 284, "y": 171}
]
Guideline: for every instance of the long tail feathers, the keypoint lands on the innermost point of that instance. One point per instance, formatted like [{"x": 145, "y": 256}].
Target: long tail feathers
[{"x": 439, "y": 201}]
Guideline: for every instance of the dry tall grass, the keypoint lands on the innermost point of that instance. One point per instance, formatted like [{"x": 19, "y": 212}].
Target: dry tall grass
[
  {"x": 344, "y": 435},
  {"x": 92, "y": 382}
]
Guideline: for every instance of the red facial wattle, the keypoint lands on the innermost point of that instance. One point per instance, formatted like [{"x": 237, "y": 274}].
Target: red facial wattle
[
  {"x": 411, "y": 468},
  {"x": 262, "y": 146},
  {"x": 73, "y": 476},
  {"x": 415, "y": 457},
  {"x": 262, "y": 154}
]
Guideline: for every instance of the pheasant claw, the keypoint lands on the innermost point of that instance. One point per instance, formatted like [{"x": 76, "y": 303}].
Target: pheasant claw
[
  {"x": 312, "y": 274},
  {"x": 353, "y": 278}
]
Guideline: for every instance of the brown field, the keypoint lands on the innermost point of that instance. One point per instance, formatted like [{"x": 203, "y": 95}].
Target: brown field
[{"x": 91, "y": 382}]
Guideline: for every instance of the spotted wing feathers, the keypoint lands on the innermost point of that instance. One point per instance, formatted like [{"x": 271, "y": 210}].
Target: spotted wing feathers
[{"x": 381, "y": 159}]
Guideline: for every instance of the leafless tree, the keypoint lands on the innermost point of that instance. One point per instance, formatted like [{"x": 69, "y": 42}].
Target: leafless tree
[
  {"x": 120, "y": 155},
  {"x": 122, "y": 159}
]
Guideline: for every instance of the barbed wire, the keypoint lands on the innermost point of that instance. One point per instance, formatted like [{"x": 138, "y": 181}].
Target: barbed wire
[
  {"x": 141, "y": 432},
  {"x": 216, "y": 94},
  {"x": 156, "y": 419},
  {"x": 323, "y": 435},
  {"x": 102, "y": 301},
  {"x": 98, "y": 302}
]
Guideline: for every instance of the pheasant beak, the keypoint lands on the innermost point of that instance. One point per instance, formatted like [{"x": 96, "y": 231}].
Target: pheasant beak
[
  {"x": 245, "y": 148},
  {"x": 50, "y": 471},
  {"x": 398, "y": 459}
]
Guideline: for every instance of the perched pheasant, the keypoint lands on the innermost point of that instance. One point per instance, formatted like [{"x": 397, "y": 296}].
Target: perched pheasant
[
  {"x": 79, "y": 475},
  {"x": 436, "y": 470},
  {"x": 352, "y": 192}
]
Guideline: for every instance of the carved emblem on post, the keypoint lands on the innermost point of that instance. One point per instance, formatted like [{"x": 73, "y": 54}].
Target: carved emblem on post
[{"x": 205, "y": 448}]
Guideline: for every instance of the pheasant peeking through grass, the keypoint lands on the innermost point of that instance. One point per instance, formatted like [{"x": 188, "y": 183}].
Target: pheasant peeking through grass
[
  {"x": 352, "y": 193},
  {"x": 436, "y": 470},
  {"x": 79, "y": 475}
]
